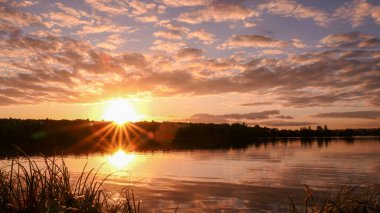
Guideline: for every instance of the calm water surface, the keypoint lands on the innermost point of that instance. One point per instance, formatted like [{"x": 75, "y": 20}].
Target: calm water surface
[{"x": 255, "y": 179}]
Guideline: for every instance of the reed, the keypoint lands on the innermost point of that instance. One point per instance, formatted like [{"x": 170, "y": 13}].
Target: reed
[
  {"x": 349, "y": 198},
  {"x": 28, "y": 187}
]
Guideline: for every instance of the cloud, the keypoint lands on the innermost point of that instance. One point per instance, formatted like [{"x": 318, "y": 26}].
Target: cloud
[
  {"x": 217, "y": 13},
  {"x": 290, "y": 8},
  {"x": 206, "y": 118},
  {"x": 54, "y": 69},
  {"x": 257, "y": 103},
  {"x": 161, "y": 9},
  {"x": 189, "y": 53},
  {"x": 110, "y": 7},
  {"x": 137, "y": 60},
  {"x": 42, "y": 63},
  {"x": 172, "y": 31},
  {"x": 258, "y": 41},
  {"x": 350, "y": 40},
  {"x": 135, "y": 9},
  {"x": 177, "y": 32},
  {"x": 227, "y": 118},
  {"x": 287, "y": 123},
  {"x": 253, "y": 115},
  {"x": 103, "y": 28},
  {"x": 375, "y": 13},
  {"x": 6, "y": 101},
  {"x": 292, "y": 81},
  {"x": 304, "y": 99},
  {"x": 67, "y": 17},
  {"x": 170, "y": 26},
  {"x": 249, "y": 24},
  {"x": 64, "y": 20},
  {"x": 147, "y": 18},
  {"x": 202, "y": 35},
  {"x": 354, "y": 114},
  {"x": 71, "y": 11},
  {"x": 284, "y": 117},
  {"x": 112, "y": 42},
  {"x": 25, "y": 3},
  {"x": 297, "y": 43},
  {"x": 167, "y": 46},
  {"x": 169, "y": 34},
  {"x": 272, "y": 52},
  {"x": 140, "y": 8},
  {"x": 18, "y": 18},
  {"x": 175, "y": 3},
  {"x": 357, "y": 11}
]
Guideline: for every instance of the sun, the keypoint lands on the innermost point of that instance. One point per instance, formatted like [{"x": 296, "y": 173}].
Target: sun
[{"x": 120, "y": 111}]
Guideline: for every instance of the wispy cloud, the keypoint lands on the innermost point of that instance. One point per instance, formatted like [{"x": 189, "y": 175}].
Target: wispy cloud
[
  {"x": 70, "y": 62},
  {"x": 257, "y": 103},
  {"x": 175, "y": 3},
  {"x": 233, "y": 117},
  {"x": 140, "y": 8},
  {"x": 112, "y": 42},
  {"x": 238, "y": 41},
  {"x": 19, "y": 19},
  {"x": 25, "y": 3},
  {"x": 217, "y": 13},
  {"x": 353, "y": 114},
  {"x": 202, "y": 35},
  {"x": 290, "y": 8},
  {"x": 189, "y": 53},
  {"x": 350, "y": 40},
  {"x": 276, "y": 123},
  {"x": 357, "y": 11},
  {"x": 167, "y": 46},
  {"x": 169, "y": 34},
  {"x": 102, "y": 28},
  {"x": 109, "y": 7}
]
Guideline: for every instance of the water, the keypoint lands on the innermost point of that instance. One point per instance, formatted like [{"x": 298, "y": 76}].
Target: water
[{"x": 255, "y": 179}]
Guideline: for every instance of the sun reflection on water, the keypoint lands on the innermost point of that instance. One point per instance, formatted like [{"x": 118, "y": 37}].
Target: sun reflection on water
[{"x": 121, "y": 159}]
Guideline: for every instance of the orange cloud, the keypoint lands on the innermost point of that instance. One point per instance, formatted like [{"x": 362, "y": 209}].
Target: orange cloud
[
  {"x": 217, "y": 13},
  {"x": 238, "y": 41},
  {"x": 202, "y": 35},
  {"x": 290, "y": 8}
]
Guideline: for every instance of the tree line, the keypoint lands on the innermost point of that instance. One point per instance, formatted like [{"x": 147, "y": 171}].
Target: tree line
[{"x": 83, "y": 136}]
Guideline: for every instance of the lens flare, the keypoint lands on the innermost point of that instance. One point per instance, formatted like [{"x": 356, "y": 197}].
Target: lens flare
[
  {"x": 120, "y": 111},
  {"x": 121, "y": 159}
]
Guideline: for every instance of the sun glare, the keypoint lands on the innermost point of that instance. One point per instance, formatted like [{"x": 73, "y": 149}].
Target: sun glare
[
  {"x": 121, "y": 159},
  {"x": 120, "y": 111}
]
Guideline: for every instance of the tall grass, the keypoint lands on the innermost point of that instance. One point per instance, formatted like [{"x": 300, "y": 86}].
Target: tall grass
[
  {"x": 28, "y": 187},
  {"x": 347, "y": 199}
]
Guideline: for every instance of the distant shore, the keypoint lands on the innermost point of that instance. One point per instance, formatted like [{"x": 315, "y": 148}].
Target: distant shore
[{"x": 84, "y": 136}]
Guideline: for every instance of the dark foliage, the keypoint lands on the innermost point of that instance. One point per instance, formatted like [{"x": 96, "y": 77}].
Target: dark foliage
[{"x": 51, "y": 137}]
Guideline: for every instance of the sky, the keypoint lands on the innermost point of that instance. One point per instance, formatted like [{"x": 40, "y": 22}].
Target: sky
[{"x": 278, "y": 63}]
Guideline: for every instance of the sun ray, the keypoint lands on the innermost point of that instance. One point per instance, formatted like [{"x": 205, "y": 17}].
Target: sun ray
[
  {"x": 91, "y": 137},
  {"x": 130, "y": 128},
  {"x": 119, "y": 133},
  {"x": 126, "y": 133},
  {"x": 138, "y": 128},
  {"x": 114, "y": 136},
  {"x": 120, "y": 136},
  {"x": 103, "y": 139}
]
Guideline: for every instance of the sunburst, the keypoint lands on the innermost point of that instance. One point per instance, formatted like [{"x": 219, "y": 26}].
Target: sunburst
[{"x": 121, "y": 111}]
